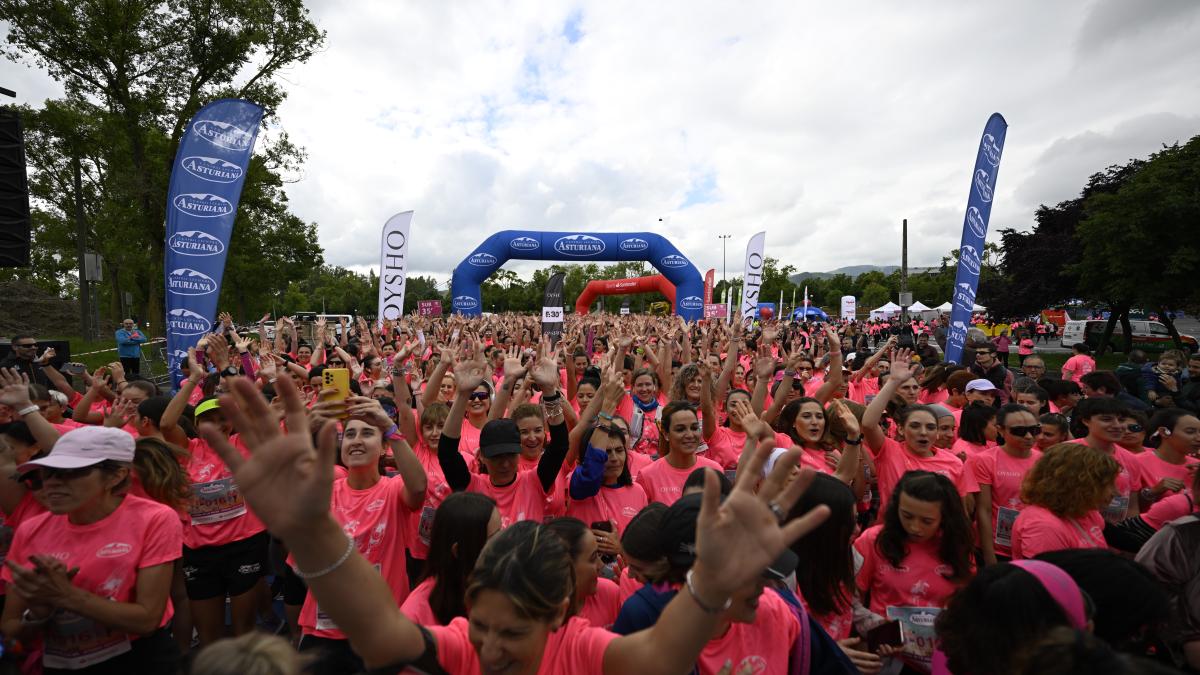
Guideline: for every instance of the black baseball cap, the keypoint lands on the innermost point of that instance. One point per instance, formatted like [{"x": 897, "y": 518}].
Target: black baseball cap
[
  {"x": 678, "y": 529},
  {"x": 499, "y": 437}
]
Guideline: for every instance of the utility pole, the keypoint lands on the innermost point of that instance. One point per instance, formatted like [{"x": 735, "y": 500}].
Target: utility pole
[
  {"x": 724, "y": 238},
  {"x": 81, "y": 246},
  {"x": 905, "y": 298}
]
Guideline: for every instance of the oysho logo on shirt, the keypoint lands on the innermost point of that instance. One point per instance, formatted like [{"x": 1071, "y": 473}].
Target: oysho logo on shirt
[
  {"x": 114, "y": 549},
  {"x": 203, "y": 205},
  {"x": 212, "y": 169},
  {"x": 186, "y": 281},
  {"x": 579, "y": 245},
  {"x": 195, "y": 243},
  {"x": 223, "y": 134}
]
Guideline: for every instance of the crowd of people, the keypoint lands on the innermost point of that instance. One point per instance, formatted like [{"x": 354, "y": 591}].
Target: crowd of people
[{"x": 631, "y": 494}]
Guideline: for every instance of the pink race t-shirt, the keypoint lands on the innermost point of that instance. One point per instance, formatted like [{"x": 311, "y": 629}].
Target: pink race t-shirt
[
  {"x": 577, "y": 647},
  {"x": 1003, "y": 473},
  {"x": 109, "y": 554},
  {"x": 468, "y": 439},
  {"x": 1155, "y": 468},
  {"x": 1079, "y": 365},
  {"x": 1169, "y": 508},
  {"x": 920, "y": 580},
  {"x": 664, "y": 483},
  {"x": 763, "y": 647},
  {"x": 1131, "y": 478},
  {"x": 838, "y": 623},
  {"x": 601, "y": 607},
  {"x": 637, "y": 461},
  {"x": 378, "y": 520},
  {"x": 27, "y": 508},
  {"x": 523, "y": 499},
  {"x": 893, "y": 460},
  {"x": 218, "y": 512},
  {"x": 964, "y": 448},
  {"x": 1038, "y": 530},
  {"x": 416, "y": 605},
  {"x": 726, "y": 444},
  {"x": 436, "y": 491},
  {"x": 611, "y": 504},
  {"x": 927, "y": 397}
]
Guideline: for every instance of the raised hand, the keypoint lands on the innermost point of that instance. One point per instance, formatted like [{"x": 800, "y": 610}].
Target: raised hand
[
  {"x": 468, "y": 374},
  {"x": 545, "y": 370},
  {"x": 901, "y": 369},
  {"x": 738, "y": 538},
  {"x": 764, "y": 365},
  {"x": 512, "y": 364},
  {"x": 225, "y": 319},
  {"x": 840, "y": 411},
  {"x": 368, "y": 410},
  {"x": 753, "y": 426},
  {"x": 120, "y": 413},
  {"x": 14, "y": 389}
]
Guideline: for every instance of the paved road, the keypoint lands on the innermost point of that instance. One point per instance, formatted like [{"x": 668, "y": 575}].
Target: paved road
[{"x": 1188, "y": 325}]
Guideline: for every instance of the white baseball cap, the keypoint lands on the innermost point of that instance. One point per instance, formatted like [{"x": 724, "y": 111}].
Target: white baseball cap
[
  {"x": 85, "y": 446},
  {"x": 980, "y": 385}
]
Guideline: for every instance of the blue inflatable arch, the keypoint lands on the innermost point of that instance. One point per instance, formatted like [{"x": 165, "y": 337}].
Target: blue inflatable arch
[{"x": 577, "y": 247}]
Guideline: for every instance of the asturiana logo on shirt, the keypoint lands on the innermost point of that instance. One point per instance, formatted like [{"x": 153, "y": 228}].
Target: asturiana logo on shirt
[
  {"x": 203, "y": 205},
  {"x": 185, "y": 281},
  {"x": 195, "y": 243},
  {"x": 212, "y": 169},
  {"x": 223, "y": 134},
  {"x": 579, "y": 245},
  {"x": 114, "y": 549}
]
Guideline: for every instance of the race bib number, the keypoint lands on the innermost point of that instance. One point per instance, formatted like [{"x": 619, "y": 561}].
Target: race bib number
[
  {"x": 74, "y": 642},
  {"x": 1117, "y": 509},
  {"x": 425, "y": 525},
  {"x": 1004, "y": 524},
  {"x": 216, "y": 501},
  {"x": 920, "y": 639}
]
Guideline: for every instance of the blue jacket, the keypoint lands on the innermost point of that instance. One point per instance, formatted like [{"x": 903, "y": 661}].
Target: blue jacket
[{"x": 129, "y": 343}]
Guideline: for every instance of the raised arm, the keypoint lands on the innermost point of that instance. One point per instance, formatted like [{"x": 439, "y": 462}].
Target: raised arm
[
  {"x": 467, "y": 376},
  {"x": 545, "y": 374},
  {"x": 708, "y": 425},
  {"x": 14, "y": 392},
  {"x": 872, "y": 360},
  {"x": 872, "y": 430},
  {"x": 835, "y": 378}
]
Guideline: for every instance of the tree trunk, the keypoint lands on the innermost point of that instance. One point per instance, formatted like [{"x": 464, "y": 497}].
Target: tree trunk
[
  {"x": 1113, "y": 314},
  {"x": 1170, "y": 324},
  {"x": 1125, "y": 326}
]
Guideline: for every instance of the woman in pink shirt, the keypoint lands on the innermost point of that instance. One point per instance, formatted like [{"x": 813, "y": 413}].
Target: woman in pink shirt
[
  {"x": 915, "y": 560},
  {"x": 678, "y": 442},
  {"x": 601, "y": 488},
  {"x": 464, "y": 523},
  {"x": 976, "y": 431},
  {"x": 999, "y": 472},
  {"x": 1080, "y": 364},
  {"x": 375, "y": 511},
  {"x": 92, "y": 577},
  {"x": 596, "y": 599},
  {"x": 522, "y": 586},
  {"x": 1170, "y": 463},
  {"x": 1063, "y": 493},
  {"x": 643, "y": 409}
]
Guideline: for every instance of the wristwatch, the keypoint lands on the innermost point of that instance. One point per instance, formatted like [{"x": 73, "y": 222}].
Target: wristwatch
[{"x": 230, "y": 372}]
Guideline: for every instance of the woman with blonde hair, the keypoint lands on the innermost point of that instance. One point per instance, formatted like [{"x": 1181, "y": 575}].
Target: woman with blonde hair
[{"x": 1064, "y": 493}]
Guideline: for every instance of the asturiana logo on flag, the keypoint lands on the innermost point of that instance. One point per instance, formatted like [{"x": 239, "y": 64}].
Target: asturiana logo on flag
[
  {"x": 634, "y": 244},
  {"x": 203, "y": 205},
  {"x": 964, "y": 296},
  {"x": 184, "y": 281},
  {"x": 212, "y": 169},
  {"x": 969, "y": 258},
  {"x": 975, "y": 222},
  {"x": 525, "y": 244},
  {"x": 195, "y": 243},
  {"x": 990, "y": 150},
  {"x": 186, "y": 322},
  {"x": 223, "y": 134},
  {"x": 673, "y": 260},
  {"x": 465, "y": 302},
  {"x": 482, "y": 260},
  {"x": 981, "y": 185},
  {"x": 692, "y": 302},
  {"x": 579, "y": 245}
]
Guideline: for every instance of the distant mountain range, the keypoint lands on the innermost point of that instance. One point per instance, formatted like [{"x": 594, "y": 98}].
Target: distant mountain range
[{"x": 853, "y": 271}]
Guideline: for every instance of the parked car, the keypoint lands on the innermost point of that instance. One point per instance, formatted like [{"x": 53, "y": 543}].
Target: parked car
[{"x": 1148, "y": 336}]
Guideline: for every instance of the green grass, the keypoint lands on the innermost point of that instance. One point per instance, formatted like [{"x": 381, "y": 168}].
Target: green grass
[
  {"x": 92, "y": 361},
  {"x": 1055, "y": 361}
]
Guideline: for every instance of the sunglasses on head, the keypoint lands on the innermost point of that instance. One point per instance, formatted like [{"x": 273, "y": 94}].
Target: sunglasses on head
[
  {"x": 36, "y": 479},
  {"x": 478, "y": 396},
  {"x": 1025, "y": 431}
]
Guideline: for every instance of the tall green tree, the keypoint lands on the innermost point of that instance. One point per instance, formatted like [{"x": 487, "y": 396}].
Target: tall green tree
[{"x": 134, "y": 72}]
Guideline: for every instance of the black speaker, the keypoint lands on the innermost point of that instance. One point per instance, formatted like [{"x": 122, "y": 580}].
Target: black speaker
[{"x": 15, "y": 227}]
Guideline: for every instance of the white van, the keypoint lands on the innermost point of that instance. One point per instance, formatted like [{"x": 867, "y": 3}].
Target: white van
[{"x": 1148, "y": 336}]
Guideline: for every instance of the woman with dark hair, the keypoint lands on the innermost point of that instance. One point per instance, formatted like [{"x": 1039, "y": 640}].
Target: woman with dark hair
[
  {"x": 1063, "y": 493},
  {"x": 520, "y": 592},
  {"x": 916, "y": 558},
  {"x": 1170, "y": 464},
  {"x": 643, "y": 407},
  {"x": 1103, "y": 418},
  {"x": 677, "y": 445},
  {"x": 641, "y": 551},
  {"x": 976, "y": 431},
  {"x": 990, "y": 623},
  {"x": 825, "y": 571},
  {"x": 601, "y": 489},
  {"x": 998, "y": 472},
  {"x": 596, "y": 599},
  {"x": 463, "y": 524}
]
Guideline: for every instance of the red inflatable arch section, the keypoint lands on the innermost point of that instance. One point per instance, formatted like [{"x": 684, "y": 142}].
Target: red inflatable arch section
[{"x": 599, "y": 287}]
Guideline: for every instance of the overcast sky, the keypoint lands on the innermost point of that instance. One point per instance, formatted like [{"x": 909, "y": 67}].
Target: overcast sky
[{"x": 823, "y": 123}]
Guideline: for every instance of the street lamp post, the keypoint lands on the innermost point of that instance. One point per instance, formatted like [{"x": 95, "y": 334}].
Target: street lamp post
[{"x": 724, "y": 238}]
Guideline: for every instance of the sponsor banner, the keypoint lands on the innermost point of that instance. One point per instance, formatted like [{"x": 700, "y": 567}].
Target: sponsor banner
[
  {"x": 624, "y": 306},
  {"x": 552, "y": 307},
  {"x": 202, "y": 198},
  {"x": 752, "y": 277},
  {"x": 393, "y": 266},
  {"x": 429, "y": 307},
  {"x": 712, "y": 311},
  {"x": 709, "y": 278},
  {"x": 849, "y": 307},
  {"x": 974, "y": 232}
]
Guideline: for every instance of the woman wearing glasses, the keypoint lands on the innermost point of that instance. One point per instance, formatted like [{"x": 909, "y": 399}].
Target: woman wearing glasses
[
  {"x": 92, "y": 577},
  {"x": 999, "y": 472}
]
